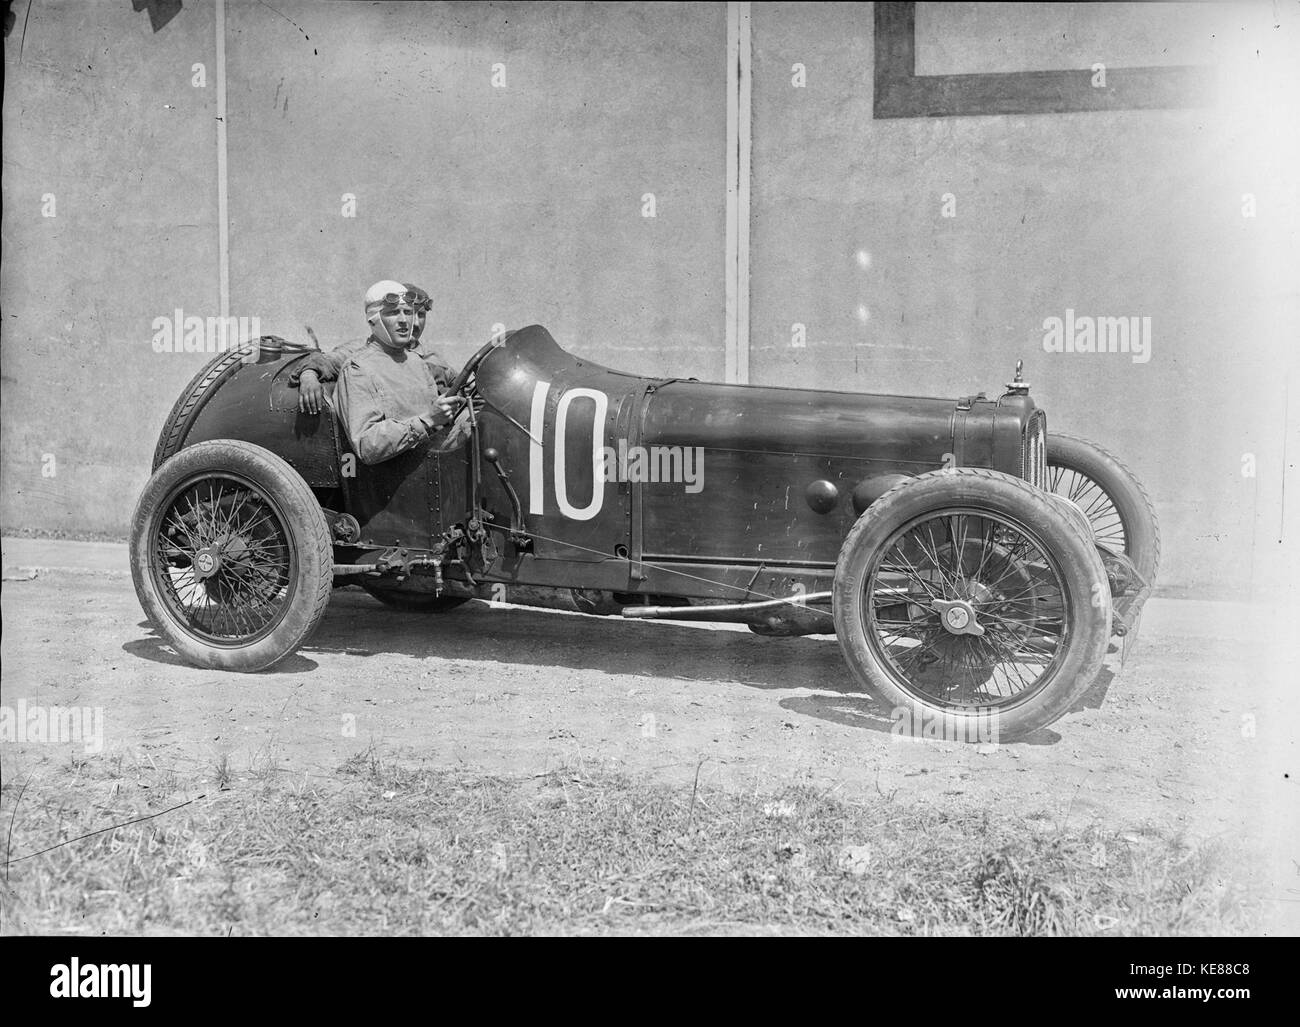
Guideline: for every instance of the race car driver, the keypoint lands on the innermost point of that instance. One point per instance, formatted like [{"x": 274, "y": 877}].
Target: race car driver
[
  {"x": 319, "y": 367},
  {"x": 390, "y": 395}
]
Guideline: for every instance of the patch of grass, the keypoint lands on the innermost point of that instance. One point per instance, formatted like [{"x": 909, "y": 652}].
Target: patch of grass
[
  {"x": 379, "y": 848},
  {"x": 223, "y": 771}
]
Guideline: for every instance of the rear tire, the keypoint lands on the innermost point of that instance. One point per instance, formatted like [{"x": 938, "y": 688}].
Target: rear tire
[
  {"x": 188, "y": 404},
  {"x": 953, "y": 551},
  {"x": 231, "y": 556}
]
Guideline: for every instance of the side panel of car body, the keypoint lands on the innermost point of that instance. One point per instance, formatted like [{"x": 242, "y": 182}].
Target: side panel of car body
[
  {"x": 766, "y": 475},
  {"x": 549, "y": 415},
  {"x": 256, "y": 404},
  {"x": 766, "y": 456}
]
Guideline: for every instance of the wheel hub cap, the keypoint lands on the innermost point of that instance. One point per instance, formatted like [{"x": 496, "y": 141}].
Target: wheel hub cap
[
  {"x": 207, "y": 562},
  {"x": 958, "y": 617}
]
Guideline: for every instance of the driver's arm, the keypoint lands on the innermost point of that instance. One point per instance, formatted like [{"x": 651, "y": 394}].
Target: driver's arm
[{"x": 317, "y": 367}]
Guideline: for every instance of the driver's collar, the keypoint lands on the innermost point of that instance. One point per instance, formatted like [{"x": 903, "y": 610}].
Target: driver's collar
[{"x": 414, "y": 344}]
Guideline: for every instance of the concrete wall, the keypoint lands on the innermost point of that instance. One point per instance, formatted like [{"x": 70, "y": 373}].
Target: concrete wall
[
  {"x": 1130, "y": 212},
  {"x": 511, "y": 205},
  {"x": 514, "y": 205},
  {"x": 99, "y": 114},
  {"x": 524, "y": 203}
]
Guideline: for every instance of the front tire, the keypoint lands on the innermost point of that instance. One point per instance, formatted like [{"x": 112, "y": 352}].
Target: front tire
[
  {"x": 966, "y": 600},
  {"x": 231, "y": 556}
]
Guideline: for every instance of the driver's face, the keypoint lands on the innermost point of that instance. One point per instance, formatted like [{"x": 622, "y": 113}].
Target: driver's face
[
  {"x": 401, "y": 324},
  {"x": 420, "y": 320}
]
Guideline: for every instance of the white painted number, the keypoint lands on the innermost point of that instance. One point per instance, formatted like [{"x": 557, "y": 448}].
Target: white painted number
[{"x": 537, "y": 455}]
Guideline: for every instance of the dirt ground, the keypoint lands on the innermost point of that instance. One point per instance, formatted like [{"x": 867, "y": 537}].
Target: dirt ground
[{"x": 1195, "y": 733}]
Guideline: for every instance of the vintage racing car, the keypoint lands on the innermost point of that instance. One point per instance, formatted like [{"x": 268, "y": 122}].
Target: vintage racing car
[{"x": 973, "y": 568}]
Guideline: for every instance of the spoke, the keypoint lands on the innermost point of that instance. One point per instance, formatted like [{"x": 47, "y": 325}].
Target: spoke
[
  {"x": 262, "y": 518},
  {"x": 988, "y": 547},
  {"x": 247, "y": 612},
  {"x": 1009, "y": 553},
  {"x": 219, "y": 517},
  {"x": 932, "y": 555},
  {"x": 915, "y": 576},
  {"x": 233, "y": 611},
  {"x": 243, "y": 498},
  {"x": 1004, "y": 598},
  {"x": 1097, "y": 505},
  {"x": 180, "y": 523},
  {"x": 209, "y": 529},
  {"x": 957, "y": 531}
]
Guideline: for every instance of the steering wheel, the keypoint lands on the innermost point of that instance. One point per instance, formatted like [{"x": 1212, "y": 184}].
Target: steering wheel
[{"x": 457, "y": 386}]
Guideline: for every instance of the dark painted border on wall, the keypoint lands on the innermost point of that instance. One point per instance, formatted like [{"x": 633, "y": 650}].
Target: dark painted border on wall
[
  {"x": 160, "y": 11},
  {"x": 901, "y": 93}
]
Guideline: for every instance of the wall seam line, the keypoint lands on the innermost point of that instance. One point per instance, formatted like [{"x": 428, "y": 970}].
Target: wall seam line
[{"x": 223, "y": 196}]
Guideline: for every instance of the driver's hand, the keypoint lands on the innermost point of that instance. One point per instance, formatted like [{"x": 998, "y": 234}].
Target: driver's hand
[
  {"x": 445, "y": 409},
  {"x": 311, "y": 397}
]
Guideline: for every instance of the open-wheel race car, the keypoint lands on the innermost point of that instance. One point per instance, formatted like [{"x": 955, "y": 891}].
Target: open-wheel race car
[{"x": 973, "y": 568}]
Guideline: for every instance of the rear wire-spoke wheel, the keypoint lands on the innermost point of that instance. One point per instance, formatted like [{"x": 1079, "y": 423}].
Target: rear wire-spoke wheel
[
  {"x": 1111, "y": 498},
  {"x": 1092, "y": 499},
  {"x": 972, "y": 604},
  {"x": 231, "y": 556}
]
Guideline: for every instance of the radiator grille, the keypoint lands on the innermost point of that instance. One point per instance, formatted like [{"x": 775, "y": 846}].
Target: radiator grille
[{"x": 1035, "y": 450}]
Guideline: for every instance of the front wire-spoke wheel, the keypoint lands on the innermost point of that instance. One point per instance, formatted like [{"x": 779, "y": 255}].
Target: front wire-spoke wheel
[
  {"x": 231, "y": 556},
  {"x": 223, "y": 560},
  {"x": 966, "y": 609},
  {"x": 968, "y": 601}
]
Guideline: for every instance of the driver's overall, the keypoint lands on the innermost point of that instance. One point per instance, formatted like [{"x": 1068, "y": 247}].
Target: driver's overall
[{"x": 385, "y": 401}]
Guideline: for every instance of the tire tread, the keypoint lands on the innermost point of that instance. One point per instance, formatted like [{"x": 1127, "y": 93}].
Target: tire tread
[{"x": 191, "y": 401}]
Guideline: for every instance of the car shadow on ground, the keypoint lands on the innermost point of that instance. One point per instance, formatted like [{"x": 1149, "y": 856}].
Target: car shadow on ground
[
  {"x": 868, "y": 713},
  {"x": 1095, "y": 696},
  {"x": 156, "y": 650},
  {"x": 356, "y": 625}
]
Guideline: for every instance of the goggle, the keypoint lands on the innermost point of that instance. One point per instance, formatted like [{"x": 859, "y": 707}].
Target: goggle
[{"x": 417, "y": 299}]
